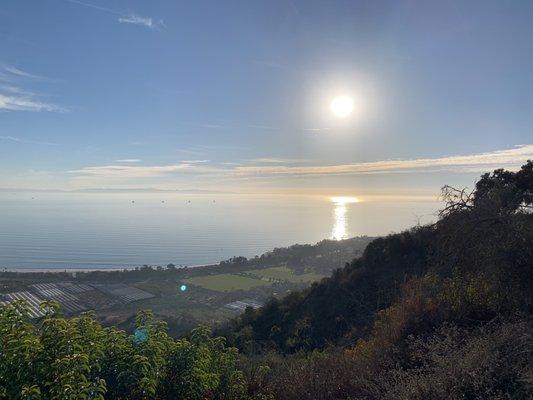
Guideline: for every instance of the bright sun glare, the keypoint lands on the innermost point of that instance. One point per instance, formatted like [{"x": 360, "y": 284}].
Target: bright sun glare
[
  {"x": 340, "y": 225},
  {"x": 342, "y": 106},
  {"x": 344, "y": 200}
]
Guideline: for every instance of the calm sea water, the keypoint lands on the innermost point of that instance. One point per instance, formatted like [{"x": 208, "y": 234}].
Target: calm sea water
[{"x": 78, "y": 231}]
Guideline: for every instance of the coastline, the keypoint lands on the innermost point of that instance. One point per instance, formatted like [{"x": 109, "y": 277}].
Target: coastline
[{"x": 22, "y": 270}]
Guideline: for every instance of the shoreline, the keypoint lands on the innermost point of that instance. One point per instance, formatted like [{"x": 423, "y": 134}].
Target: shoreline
[
  {"x": 88, "y": 269},
  {"x": 22, "y": 270}
]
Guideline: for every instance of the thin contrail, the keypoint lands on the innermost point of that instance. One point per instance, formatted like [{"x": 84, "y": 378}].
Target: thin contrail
[{"x": 81, "y": 3}]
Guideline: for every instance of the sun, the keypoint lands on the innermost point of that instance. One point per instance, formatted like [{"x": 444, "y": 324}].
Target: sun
[{"x": 342, "y": 106}]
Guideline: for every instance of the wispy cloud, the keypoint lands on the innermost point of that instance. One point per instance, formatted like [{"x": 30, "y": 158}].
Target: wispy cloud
[
  {"x": 136, "y": 172},
  {"x": 316, "y": 130},
  {"x": 469, "y": 163},
  {"x": 18, "y": 72},
  {"x": 126, "y": 171},
  {"x": 15, "y": 98},
  {"x": 28, "y": 141},
  {"x": 195, "y": 161},
  {"x": 124, "y": 17},
  {"x": 509, "y": 158},
  {"x": 275, "y": 160},
  {"x": 144, "y": 21},
  {"x": 128, "y": 160},
  {"x": 21, "y": 103}
]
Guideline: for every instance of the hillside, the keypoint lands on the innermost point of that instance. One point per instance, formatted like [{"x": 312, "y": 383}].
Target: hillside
[
  {"x": 437, "y": 312},
  {"x": 482, "y": 241}
]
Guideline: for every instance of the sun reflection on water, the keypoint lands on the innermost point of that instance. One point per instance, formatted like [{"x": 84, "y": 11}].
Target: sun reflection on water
[{"x": 340, "y": 230}]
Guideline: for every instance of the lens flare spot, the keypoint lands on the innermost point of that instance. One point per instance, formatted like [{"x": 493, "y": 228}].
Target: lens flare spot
[{"x": 140, "y": 335}]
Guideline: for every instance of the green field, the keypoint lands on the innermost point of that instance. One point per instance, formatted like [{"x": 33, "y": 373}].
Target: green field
[
  {"x": 226, "y": 282},
  {"x": 284, "y": 274}
]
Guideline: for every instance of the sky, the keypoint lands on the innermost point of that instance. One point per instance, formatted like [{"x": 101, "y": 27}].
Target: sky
[{"x": 235, "y": 95}]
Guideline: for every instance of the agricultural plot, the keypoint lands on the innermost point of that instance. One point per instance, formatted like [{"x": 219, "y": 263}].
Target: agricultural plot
[
  {"x": 69, "y": 302},
  {"x": 240, "y": 305},
  {"x": 226, "y": 282},
  {"x": 32, "y": 300},
  {"x": 75, "y": 288},
  {"x": 126, "y": 294},
  {"x": 283, "y": 274}
]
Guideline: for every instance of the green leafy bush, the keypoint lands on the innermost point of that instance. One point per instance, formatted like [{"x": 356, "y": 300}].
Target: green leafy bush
[{"x": 62, "y": 359}]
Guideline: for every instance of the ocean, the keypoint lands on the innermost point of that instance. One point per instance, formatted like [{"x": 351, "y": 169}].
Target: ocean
[{"x": 70, "y": 231}]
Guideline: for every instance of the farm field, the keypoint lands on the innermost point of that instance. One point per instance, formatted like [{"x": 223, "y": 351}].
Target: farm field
[
  {"x": 75, "y": 298},
  {"x": 226, "y": 282},
  {"x": 284, "y": 274}
]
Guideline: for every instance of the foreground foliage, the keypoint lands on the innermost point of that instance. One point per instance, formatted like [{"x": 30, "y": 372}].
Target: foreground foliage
[{"x": 79, "y": 359}]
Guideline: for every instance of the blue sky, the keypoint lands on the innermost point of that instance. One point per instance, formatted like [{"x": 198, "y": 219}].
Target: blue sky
[{"x": 234, "y": 95}]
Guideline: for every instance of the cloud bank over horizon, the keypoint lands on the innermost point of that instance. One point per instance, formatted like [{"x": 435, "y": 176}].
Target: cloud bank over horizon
[{"x": 224, "y": 175}]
